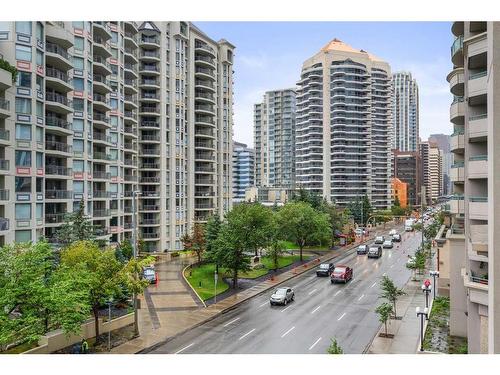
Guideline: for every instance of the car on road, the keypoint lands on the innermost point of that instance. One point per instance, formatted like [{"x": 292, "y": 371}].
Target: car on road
[
  {"x": 392, "y": 232},
  {"x": 396, "y": 237},
  {"x": 379, "y": 240},
  {"x": 375, "y": 252},
  {"x": 325, "y": 269},
  {"x": 362, "y": 249},
  {"x": 149, "y": 273},
  {"x": 387, "y": 244},
  {"x": 282, "y": 296},
  {"x": 341, "y": 274}
]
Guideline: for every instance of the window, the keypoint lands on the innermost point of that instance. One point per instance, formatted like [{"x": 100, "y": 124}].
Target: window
[
  {"x": 39, "y": 31},
  {"x": 23, "y": 236},
  {"x": 79, "y": 43},
  {"x": 39, "y": 160},
  {"x": 78, "y": 84},
  {"x": 114, "y": 37},
  {"x": 39, "y": 211},
  {"x": 39, "y": 109},
  {"x": 113, "y": 121},
  {"x": 23, "y": 53},
  {"x": 114, "y": 104},
  {"x": 23, "y": 184},
  {"x": 113, "y": 188},
  {"x": 5, "y": 26},
  {"x": 77, "y": 145},
  {"x": 23, "y": 28},
  {"x": 78, "y": 104},
  {"x": 78, "y": 166},
  {"x": 78, "y": 63},
  {"x": 78, "y": 125},
  {"x": 113, "y": 170},
  {"x": 39, "y": 83},
  {"x": 39, "y": 134},
  {"x": 23, "y": 158},
  {"x": 23, "y": 79},
  {"x": 78, "y": 24},
  {"x": 23, "y": 132},
  {"x": 39, "y": 57},
  {"x": 23, "y": 105},
  {"x": 78, "y": 187},
  {"x": 23, "y": 211}
]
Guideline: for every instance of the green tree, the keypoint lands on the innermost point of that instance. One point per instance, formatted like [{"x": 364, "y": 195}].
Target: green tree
[
  {"x": 390, "y": 292},
  {"x": 315, "y": 200},
  {"x": 384, "y": 311},
  {"x": 76, "y": 227},
  {"x": 212, "y": 229},
  {"x": 124, "y": 251},
  {"x": 360, "y": 209},
  {"x": 337, "y": 219},
  {"x": 274, "y": 251},
  {"x": 396, "y": 202},
  {"x": 259, "y": 222},
  {"x": 198, "y": 240},
  {"x": 300, "y": 223},
  {"x": 334, "y": 347},
  {"x": 187, "y": 241},
  {"x": 420, "y": 261}
]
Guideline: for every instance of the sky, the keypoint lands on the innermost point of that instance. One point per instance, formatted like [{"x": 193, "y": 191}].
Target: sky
[{"x": 269, "y": 56}]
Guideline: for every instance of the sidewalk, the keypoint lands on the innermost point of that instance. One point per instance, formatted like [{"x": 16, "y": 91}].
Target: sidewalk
[{"x": 182, "y": 321}]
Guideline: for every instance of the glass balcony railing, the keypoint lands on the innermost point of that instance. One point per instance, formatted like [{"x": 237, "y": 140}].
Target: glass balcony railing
[
  {"x": 457, "y": 45},
  {"x": 478, "y": 157},
  {"x": 478, "y": 75}
]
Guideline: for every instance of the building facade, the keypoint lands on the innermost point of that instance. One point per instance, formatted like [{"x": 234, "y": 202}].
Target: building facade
[
  {"x": 399, "y": 190},
  {"x": 407, "y": 167},
  {"x": 474, "y": 207},
  {"x": 243, "y": 170},
  {"x": 405, "y": 112},
  {"x": 443, "y": 143},
  {"x": 274, "y": 134},
  {"x": 344, "y": 121},
  {"x": 431, "y": 171},
  {"x": 102, "y": 109}
]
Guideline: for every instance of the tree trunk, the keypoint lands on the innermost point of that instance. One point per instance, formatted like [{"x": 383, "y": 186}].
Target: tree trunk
[
  {"x": 235, "y": 278},
  {"x": 301, "y": 246},
  {"x": 256, "y": 252},
  {"x": 385, "y": 323},
  {"x": 95, "y": 310}
]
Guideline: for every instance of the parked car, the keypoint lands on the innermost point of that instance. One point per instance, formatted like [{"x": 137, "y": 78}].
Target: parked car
[
  {"x": 325, "y": 269},
  {"x": 362, "y": 249},
  {"x": 396, "y": 238},
  {"x": 342, "y": 274},
  {"x": 392, "y": 232},
  {"x": 149, "y": 273},
  {"x": 379, "y": 240},
  {"x": 375, "y": 252},
  {"x": 358, "y": 231},
  {"x": 282, "y": 296},
  {"x": 387, "y": 244}
]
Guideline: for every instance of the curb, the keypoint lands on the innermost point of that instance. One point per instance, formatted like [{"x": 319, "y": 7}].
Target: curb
[{"x": 188, "y": 283}]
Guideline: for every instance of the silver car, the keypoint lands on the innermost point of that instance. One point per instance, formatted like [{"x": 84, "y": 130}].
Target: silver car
[{"x": 282, "y": 296}]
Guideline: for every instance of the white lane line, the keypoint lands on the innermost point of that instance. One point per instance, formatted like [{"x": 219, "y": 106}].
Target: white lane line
[
  {"x": 287, "y": 332},
  {"x": 311, "y": 292},
  {"x": 392, "y": 265},
  {"x": 265, "y": 303},
  {"x": 232, "y": 321},
  {"x": 341, "y": 316},
  {"x": 359, "y": 299},
  {"x": 373, "y": 285},
  {"x": 286, "y": 308},
  {"x": 184, "y": 348},
  {"x": 246, "y": 334},
  {"x": 316, "y": 309},
  {"x": 313, "y": 345},
  {"x": 337, "y": 292}
]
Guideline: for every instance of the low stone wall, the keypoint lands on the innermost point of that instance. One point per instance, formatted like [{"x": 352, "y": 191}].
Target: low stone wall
[{"x": 57, "y": 340}]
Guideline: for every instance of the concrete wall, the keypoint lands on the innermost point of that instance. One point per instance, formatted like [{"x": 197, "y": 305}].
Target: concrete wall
[
  {"x": 57, "y": 340},
  {"x": 458, "y": 293}
]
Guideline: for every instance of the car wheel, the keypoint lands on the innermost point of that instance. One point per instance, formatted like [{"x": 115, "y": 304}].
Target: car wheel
[
  {"x": 331, "y": 281},
  {"x": 293, "y": 297}
]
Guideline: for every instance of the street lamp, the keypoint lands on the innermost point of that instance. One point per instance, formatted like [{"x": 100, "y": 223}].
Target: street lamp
[
  {"x": 434, "y": 274},
  {"x": 135, "y": 193},
  {"x": 421, "y": 314},
  {"x": 216, "y": 277},
  {"x": 110, "y": 301},
  {"x": 426, "y": 288}
]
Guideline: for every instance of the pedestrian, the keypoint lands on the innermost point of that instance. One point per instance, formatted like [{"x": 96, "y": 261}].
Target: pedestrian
[{"x": 85, "y": 346}]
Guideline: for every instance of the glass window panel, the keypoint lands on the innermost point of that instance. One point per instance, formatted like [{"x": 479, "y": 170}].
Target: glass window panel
[
  {"x": 23, "y": 28},
  {"x": 23, "y": 236},
  {"x": 23, "y": 79},
  {"x": 39, "y": 31},
  {"x": 78, "y": 84},
  {"x": 23, "y": 158},
  {"x": 23, "y": 132},
  {"x": 78, "y": 24},
  {"x": 39, "y": 134},
  {"x": 39, "y": 160},
  {"x": 23, "y": 184},
  {"x": 78, "y": 125},
  {"x": 39, "y": 57},
  {"x": 78, "y": 63},
  {"x": 78, "y": 186},
  {"x": 39, "y": 109},
  {"x": 78, "y": 145},
  {"x": 23, "y": 53},
  {"x": 39, "y": 211},
  {"x": 79, "y": 43},
  {"x": 23, "y": 211},
  {"x": 23, "y": 105},
  {"x": 78, "y": 166},
  {"x": 78, "y": 104}
]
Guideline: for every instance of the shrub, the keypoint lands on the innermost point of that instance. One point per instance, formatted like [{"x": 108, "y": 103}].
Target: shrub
[{"x": 174, "y": 254}]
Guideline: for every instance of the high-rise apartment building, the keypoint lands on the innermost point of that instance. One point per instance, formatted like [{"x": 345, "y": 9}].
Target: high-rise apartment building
[
  {"x": 405, "y": 112},
  {"x": 431, "y": 171},
  {"x": 274, "y": 134},
  {"x": 407, "y": 167},
  {"x": 344, "y": 125},
  {"x": 443, "y": 143},
  {"x": 102, "y": 109},
  {"x": 243, "y": 170},
  {"x": 473, "y": 260}
]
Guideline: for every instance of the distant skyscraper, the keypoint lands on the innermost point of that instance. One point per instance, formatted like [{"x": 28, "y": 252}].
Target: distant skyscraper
[
  {"x": 443, "y": 142},
  {"x": 405, "y": 112},
  {"x": 344, "y": 125},
  {"x": 274, "y": 134},
  {"x": 407, "y": 166},
  {"x": 243, "y": 170},
  {"x": 432, "y": 173}
]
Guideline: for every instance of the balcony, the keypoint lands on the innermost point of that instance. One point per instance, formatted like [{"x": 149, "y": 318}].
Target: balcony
[
  {"x": 150, "y": 166},
  {"x": 478, "y": 167},
  {"x": 143, "y": 109},
  {"x": 101, "y": 118},
  {"x": 478, "y": 208},
  {"x": 457, "y": 142},
  {"x": 457, "y": 205},
  {"x": 477, "y": 84},
  {"x": 101, "y": 213},
  {"x": 150, "y": 40},
  {"x": 456, "y": 80},
  {"x": 101, "y": 175},
  {"x": 457, "y": 173},
  {"x": 149, "y": 82},
  {"x": 4, "y": 108},
  {"x": 150, "y": 124},
  {"x": 59, "y": 103},
  {"x": 102, "y": 29},
  {"x": 130, "y": 177},
  {"x": 101, "y": 103},
  {"x": 98, "y": 155},
  {"x": 149, "y": 207},
  {"x": 56, "y": 123},
  {"x": 57, "y": 56},
  {"x": 4, "y": 194},
  {"x": 204, "y": 60},
  {"x": 457, "y": 111},
  {"x": 150, "y": 236},
  {"x": 205, "y": 73},
  {"x": 58, "y": 79},
  {"x": 4, "y": 165},
  {"x": 149, "y": 222},
  {"x": 5, "y": 136},
  {"x": 477, "y": 287},
  {"x": 149, "y": 180},
  {"x": 58, "y": 170},
  {"x": 150, "y": 138},
  {"x": 101, "y": 47},
  {"x": 101, "y": 138},
  {"x": 101, "y": 194},
  {"x": 457, "y": 56},
  {"x": 101, "y": 84},
  {"x": 149, "y": 68},
  {"x": 58, "y": 146},
  {"x": 54, "y": 218},
  {"x": 58, "y": 194}
]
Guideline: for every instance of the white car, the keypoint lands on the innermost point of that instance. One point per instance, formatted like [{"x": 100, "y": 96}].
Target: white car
[
  {"x": 387, "y": 244},
  {"x": 393, "y": 232},
  {"x": 379, "y": 240}
]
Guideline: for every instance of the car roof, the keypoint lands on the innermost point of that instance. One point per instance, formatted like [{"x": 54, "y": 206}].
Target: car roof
[
  {"x": 341, "y": 266},
  {"x": 283, "y": 287}
]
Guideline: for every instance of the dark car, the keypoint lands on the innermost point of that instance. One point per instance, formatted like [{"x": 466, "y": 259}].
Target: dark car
[
  {"x": 375, "y": 252},
  {"x": 342, "y": 274},
  {"x": 325, "y": 269},
  {"x": 396, "y": 238},
  {"x": 149, "y": 274},
  {"x": 362, "y": 249}
]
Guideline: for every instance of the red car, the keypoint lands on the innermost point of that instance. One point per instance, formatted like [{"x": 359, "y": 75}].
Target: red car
[{"x": 342, "y": 274}]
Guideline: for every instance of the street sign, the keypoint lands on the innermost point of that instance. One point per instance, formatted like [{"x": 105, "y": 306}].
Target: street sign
[{"x": 427, "y": 283}]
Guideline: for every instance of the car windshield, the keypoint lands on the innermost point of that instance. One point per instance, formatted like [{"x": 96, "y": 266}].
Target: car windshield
[
  {"x": 339, "y": 270},
  {"x": 325, "y": 266},
  {"x": 149, "y": 272},
  {"x": 280, "y": 292},
  {"x": 373, "y": 248}
]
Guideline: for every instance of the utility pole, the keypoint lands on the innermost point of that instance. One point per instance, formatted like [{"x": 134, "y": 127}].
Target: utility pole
[
  {"x": 134, "y": 247},
  {"x": 422, "y": 206}
]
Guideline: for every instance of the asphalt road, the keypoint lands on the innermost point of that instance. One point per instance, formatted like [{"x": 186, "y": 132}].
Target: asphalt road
[{"x": 321, "y": 311}]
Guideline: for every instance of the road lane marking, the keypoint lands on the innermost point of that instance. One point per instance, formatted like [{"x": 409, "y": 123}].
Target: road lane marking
[
  {"x": 287, "y": 332},
  {"x": 373, "y": 285},
  {"x": 341, "y": 316},
  {"x": 286, "y": 308},
  {"x": 392, "y": 265},
  {"x": 316, "y": 309},
  {"x": 184, "y": 348},
  {"x": 246, "y": 334},
  {"x": 265, "y": 303},
  {"x": 232, "y": 321},
  {"x": 337, "y": 292},
  {"x": 359, "y": 299},
  {"x": 311, "y": 292},
  {"x": 313, "y": 345}
]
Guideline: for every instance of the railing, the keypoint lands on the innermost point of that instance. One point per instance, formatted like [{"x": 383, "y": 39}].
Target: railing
[
  {"x": 478, "y": 75},
  {"x": 58, "y": 170},
  {"x": 150, "y": 124},
  {"x": 150, "y": 165},
  {"x": 457, "y": 197},
  {"x": 56, "y": 73},
  {"x": 54, "y": 218},
  {"x": 204, "y": 58},
  {"x": 101, "y": 213},
  {"x": 478, "y": 117},
  {"x": 208, "y": 120},
  {"x": 101, "y": 194},
  {"x": 480, "y": 280},
  {"x": 150, "y": 54},
  {"x": 58, "y": 194},
  {"x": 99, "y": 40},
  {"x": 131, "y": 51},
  {"x": 58, "y": 98},
  {"x": 204, "y": 132},
  {"x": 57, "y": 122},
  {"x": 204, "y": 169},
  {"x": 102, "y": 175},
  {"x": 205, "y": 181},
  {"x": 4, "y": 164},
  {"x": 478, "y": 157},
  {"x": 204, "y": 155},
  {"x": 200, "y": 94},
  {"x": 101, "y": 155},
  {"x": 100, "y": 78},
  {"x": 457, "y": 45},
  {"x": 149, "y": 221},
  {"x": 204, "y": 107},
  {"x": 150, "y": 235},
  {"x": 148, "y": 95},
  {"x": 127, "y": 225},
  {"x": 149, "y": 179},
  {"x": 205, "y": 71},
  {"x": 150, "y": 39},
  {"x": 150, "y": 207},
  {"x": 203, "y": 205},
  {"x": 57, "y": 146},
  {"x": 99, "y": 232},
  {"x": 150, "y": 82},
  {"x": 101, "y": 117},
  {"x": 131, "y": 36},
  {"x": 4, "y": 195},
  {"x": 54, "y": 48},
  {"x": 129, "y": 129},
  {"x": 130, "y": 177},
  {"x": 130, "y": 82},
  {"x": 101, "y": 60},
  {"x": 131, "y": 114},
  {"x": 149, "y": 109},
  {"x": 150, "y": 68},
  {"x": 4, "y": 104},
  {"x": 130, "y": 98},
  {"x": 5, "y": 134},
  {"x": 204, "y": 144},
  {"x": 478, "y": 199},
  {"x": 457, "y": 99},
  {"x": 457, "y": 132},
  {"x": 151, "y": 194},
  {"x": 100, "y": 98},
  {"x": 101, "y": 137},
  {"x": 203, "y": 46},
  {"x": 204, "y": 193},
  {"x": 129, "y": 162},
  {"x": 147, "y": 137},
  {"x": 458, "y": 164},
  {"x": 130, "y": 67},
  {"x": 150, "y": 151}
]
